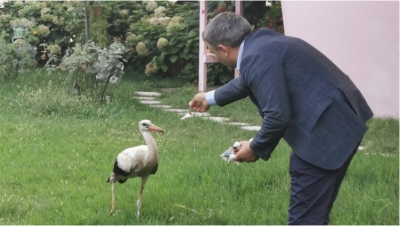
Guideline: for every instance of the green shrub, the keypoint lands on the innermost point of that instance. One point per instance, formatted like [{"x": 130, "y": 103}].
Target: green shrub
[
  {"x": 162, "y": 37},
  {"x": 15, "y": 57},
  {"x": 55, "y": 22},
  {"x": 8, "y": 60},
  {"x": 88, "y": 66},
  {"x": 165, "y": 39}
]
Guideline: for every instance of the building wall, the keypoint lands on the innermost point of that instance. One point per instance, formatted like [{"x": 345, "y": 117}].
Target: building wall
[{"x": 360, "y": 37}]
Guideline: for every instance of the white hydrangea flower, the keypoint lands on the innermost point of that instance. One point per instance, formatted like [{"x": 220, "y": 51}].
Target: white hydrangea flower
[
  {"x": 164, "y": 20},
  {"x": 175, "y": 22},
  {"x": 151, "y": 68},
  {"x": 151, "y": 6},
  {"x": 46, "y": 17},
  {"x": 58, "y": 20},
  {"x": 55, "y": 49},
  {"x": 159, "y": 12},
  {"x": 123, "y": 12},
  {"x": 177, "y": 19},
  {"x": 6, "y": 17},
  {"x": 43, "y": 30},
  {"x": 141, "y": 49},
  {"x": 131, "y": 37},
  {"x": 45, "y": 11},
  {"x": 161, "y": 43},
  {"x": 160, "y": 9},
  {"x": 117, "y": 22}
]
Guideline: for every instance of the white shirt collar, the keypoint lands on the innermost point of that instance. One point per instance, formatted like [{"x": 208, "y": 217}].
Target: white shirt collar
[{"x": 239, "y": 58}]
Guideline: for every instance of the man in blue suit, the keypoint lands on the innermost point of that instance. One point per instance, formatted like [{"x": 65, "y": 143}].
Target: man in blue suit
[{"x": 302, "y": 97}]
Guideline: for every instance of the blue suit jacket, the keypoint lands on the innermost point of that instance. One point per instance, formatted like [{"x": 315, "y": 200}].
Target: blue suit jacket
[{"x": 302, "y": 97}]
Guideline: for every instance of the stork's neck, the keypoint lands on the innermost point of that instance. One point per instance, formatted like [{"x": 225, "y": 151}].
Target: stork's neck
[{"x": 151, "y": 143}]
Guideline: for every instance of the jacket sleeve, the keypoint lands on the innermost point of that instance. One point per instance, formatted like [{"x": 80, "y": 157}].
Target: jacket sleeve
[
  {"x": 264, "y": 75},
  {"x": 230, "y": 92}
]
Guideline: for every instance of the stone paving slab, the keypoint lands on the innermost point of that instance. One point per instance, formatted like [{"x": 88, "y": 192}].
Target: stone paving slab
[
  {"x": 195, "y": 114},
  {"x": 238, "y": 123},
  {"x": 217, "y": 119},
  {"x": 142, "y": 93},
  {"x": 144, "y": 98},
  {"x": 177, "y": 110},
  {"x": 201, "y": 114},
  {"x": 150, "y": 102},
  {"x": 160, "y": 106},
  {"x": 251, "y": 128}
]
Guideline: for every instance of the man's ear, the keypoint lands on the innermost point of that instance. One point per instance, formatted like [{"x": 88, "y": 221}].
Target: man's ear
[{"x": 225, "y": 50}]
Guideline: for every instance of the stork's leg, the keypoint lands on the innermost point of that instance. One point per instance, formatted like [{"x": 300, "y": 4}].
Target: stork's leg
[
  {"x": 139, "y": 201},
  {"x": 112, "y": 197}
]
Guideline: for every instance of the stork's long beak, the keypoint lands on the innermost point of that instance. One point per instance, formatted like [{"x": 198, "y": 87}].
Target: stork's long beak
[{"x": 155, "y": 128}]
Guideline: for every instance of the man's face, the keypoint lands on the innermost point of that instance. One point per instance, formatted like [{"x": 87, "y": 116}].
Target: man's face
[{"x": 223, "y": 55}]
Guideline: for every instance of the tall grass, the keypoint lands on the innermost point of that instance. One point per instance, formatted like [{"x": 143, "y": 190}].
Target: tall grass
[{"x": 57, "y": 153}]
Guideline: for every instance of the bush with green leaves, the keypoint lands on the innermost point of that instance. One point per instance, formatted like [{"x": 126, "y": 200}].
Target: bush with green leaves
[
  {"x": 8, "y": 60},
  {"x": 88, "y": 66},
  {"x": 162, "y": 37},
  {"x": 16, "y": 57},
  {"x": 98, "y": 25},
  {"x": 53, "y": 22},
  {"x": 165, "y": 39}
]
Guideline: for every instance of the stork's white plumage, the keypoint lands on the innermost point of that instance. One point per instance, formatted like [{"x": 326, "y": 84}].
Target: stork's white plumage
[{"x": 139, "y": 161}]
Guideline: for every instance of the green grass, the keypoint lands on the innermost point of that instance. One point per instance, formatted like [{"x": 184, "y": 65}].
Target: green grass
[{"x": 56, "y": 155}]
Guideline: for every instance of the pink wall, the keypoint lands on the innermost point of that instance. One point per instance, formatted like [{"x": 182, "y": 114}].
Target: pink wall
[{"x": 361, "y": 37}]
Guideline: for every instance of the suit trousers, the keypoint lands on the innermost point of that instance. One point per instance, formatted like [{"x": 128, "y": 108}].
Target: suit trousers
[{"x": 313, "y": 191}]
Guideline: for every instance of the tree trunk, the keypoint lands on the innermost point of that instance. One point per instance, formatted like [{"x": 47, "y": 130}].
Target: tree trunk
[
  {"x": 101, "y": 95},
  {"x": 87, "y": 21}
]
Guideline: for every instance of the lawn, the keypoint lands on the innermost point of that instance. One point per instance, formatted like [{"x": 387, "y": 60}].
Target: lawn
[{"x": 57, "y": 153}]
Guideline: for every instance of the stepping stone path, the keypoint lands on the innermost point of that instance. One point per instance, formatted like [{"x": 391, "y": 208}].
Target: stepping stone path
[
  {"x": 217, "y": 119},
  {"x": 145, "y": 98},
  {"x": 150, "y": 102},
  {"x": 149, "y": 98},
  {"x": 152, "y": 94},
  {"x": 177, "y": 110},
  {"x": 254, "y": 128},
  {"x": 160, "y": 106},
  {"x": 238, "y": 123}
]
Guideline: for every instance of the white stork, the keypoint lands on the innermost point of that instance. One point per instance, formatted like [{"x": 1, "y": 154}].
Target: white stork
[{"x": 139, "y": 161}]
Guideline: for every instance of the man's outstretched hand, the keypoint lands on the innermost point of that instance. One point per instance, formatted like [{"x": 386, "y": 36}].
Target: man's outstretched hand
[
  {"x": 199, "y": 103},
  {"x": 245, "y": 153}
]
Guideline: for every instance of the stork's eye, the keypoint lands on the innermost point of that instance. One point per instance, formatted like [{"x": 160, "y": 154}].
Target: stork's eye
[{"x": 144, "y": 124}]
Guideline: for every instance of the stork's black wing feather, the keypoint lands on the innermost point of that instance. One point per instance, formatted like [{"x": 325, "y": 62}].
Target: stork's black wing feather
[
  {"x": 119, "y": 171},
  {"x": 154, "y": 169}
]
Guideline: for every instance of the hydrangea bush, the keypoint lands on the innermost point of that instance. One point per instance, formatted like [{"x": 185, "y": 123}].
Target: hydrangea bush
[
  {"x": 165, "y": 39},
  {"x": 160, "y": 38},
  {"x": 47, "y": 22}
]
